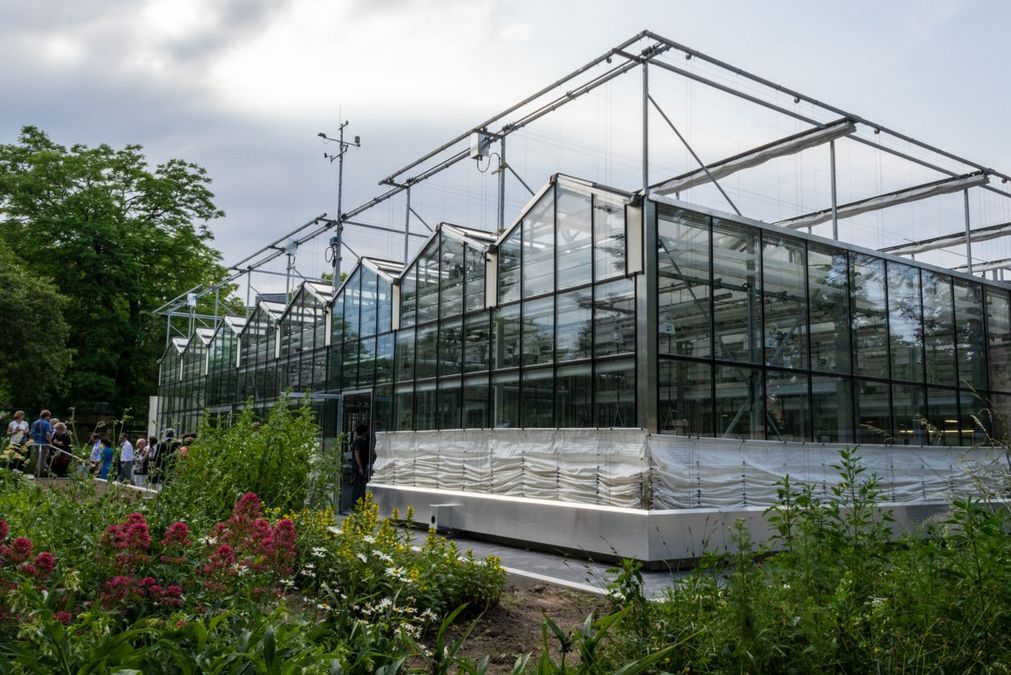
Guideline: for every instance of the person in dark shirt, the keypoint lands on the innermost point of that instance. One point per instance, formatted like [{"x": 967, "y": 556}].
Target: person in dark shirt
[
  {"x": 360, "y": 457},
  {"x": 63, "y": 446}
]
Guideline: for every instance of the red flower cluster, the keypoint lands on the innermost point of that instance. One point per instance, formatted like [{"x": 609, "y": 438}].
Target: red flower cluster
[
  {"x": 16, "y": 563},
  {"x": 127, "y": 544},
  {"x": 252, "y": 542}
]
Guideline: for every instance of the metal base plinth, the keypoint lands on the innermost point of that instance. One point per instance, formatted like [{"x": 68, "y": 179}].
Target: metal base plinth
[{"x": 600, "y": 532}]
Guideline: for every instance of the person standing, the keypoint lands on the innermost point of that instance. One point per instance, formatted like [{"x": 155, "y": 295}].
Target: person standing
[
  {"x": 63, "y": 446},
  {"x": 42, "y": 436},
  {"x": 140, "y": 462},
  {"x": 125, "y": 458},
  {"x": 17, "y": 434},
  {"x": 360, "y": 457},
  {"x": 106, "y": 459}
]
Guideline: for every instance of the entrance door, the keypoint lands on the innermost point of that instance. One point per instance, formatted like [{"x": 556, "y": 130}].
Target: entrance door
[{"x": 357, "y": 410}]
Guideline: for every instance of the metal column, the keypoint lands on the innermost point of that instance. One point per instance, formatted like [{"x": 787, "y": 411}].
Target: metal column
[
  {"x": 968, "y": 235},
  {"x": 835, "y": 201},
  {"x": 645, "y": 128},
  {"x": 501, "y": 183},
  {"x": 407, "y": 226}
]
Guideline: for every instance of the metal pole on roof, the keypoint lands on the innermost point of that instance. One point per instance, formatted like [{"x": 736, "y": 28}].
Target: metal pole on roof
[
  {"x": 501, "y": 183},
  {"x": 342, "y": 148},
  {"x": 835, "y": 215},
  {"x": 968, "y": 235},
  {"x": 645, "y": 127},
  {"x": 407, "y": 226}
]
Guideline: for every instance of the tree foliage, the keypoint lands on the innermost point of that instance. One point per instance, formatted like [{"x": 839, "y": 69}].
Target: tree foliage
[
  {"x": 33, "y": 335},
  {"x": 119, "y": 239}
]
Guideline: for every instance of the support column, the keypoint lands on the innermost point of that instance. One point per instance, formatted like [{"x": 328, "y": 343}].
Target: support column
[
  {"x": 501, "y": 183},
  {"x": 835, "y": 201},
  {"x": 645, "y": 128},
  {"x": 407, "y": 226},
  {"x": 646, "y": 316},
  {"x": 968, "y": 235}
]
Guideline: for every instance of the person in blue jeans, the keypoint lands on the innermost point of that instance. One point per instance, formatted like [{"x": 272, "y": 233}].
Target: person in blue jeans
[
  {"x": 107, "y": 454},
  {"x": 42, "y": 436}
]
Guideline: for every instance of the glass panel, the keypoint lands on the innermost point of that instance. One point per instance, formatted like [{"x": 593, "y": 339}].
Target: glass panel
[
  {"x": 784, "y": 266},
  {"x": 506, "y": 393},
  {"x": 404, "y": 409},
  {"x": 573, "y": 392},
  {"x": 474, "y": 264},
  {"x": 828, "y": 290},
  {"x": 384, "y": 358},
  {"x": 477, "y": 345},
  {"x": 904, "y": 322},
  {"x": 942, "y": 416},
  {"x": 574, "y": 327},
  {"x": 382, "y": 406},
  {"x": 450, "y": 346},
  {"x": 788, "y": 412},
  {"x": 384, "y": 306},
  {"x": 938, "y": 328},
  {"x": 336, "y": 343},
  {"x": 684, "y": 288},
  {"x": 425, "y": 405},
  {"x": 575, "y": 242},
  {"x": 739, "y": 408},
  {"x": 538, "y": 398},
  {"x": 349, "y": 365},
  {"x": 609, "y": 236},
  {"x": 686, "y": 398},
  {"x": 506, "y": 341},
  {"x": 475, "y": 403},
  {"x": 427, "y": 350},
  {"x": 449, "y": 403},
  {"x": 367, "y": 362},
  {"x": 509, "y": 267},
  {"x": 832, "y": 405},
  {"x": 614, "y": 317},
  {"x": 428, "y": 283},
  {"x": 615, "y": 394},
  {"x": 352, "y": 306},
  {"x": 908, "y": 411},
  {"x": 452, "y": 277},
  {"x": 998, "y": 325},
  {"x": 538, "y": 331},
  {"x": 370, "y": 283},
  {"x": 409, "y": 297},
  {"x": 970, "y": 336},
  {"x": 405, "y": 355},
  {"x": 870, "y": 323},
  {"x": 874, "y": 421},
  {"x": 737, "y": 293},
  {"x": 980, "y": 417},
  {"x": 539, "y": 247}
]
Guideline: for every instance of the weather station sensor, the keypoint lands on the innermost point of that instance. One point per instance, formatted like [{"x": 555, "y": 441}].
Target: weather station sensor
[{"x": 480, "y": 142}]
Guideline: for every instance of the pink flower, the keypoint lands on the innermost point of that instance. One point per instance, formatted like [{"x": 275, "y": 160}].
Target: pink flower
[
  {"x": 224, "y": 555},
  {"x": 63, "y": 617},
  {"x": 22, "y": 549},
  {"x": 177, "y": 534},
  {"x": 248, "y": 506},
  {"x": 4, "y": 529},
  {"x": 45, "y": 563}
]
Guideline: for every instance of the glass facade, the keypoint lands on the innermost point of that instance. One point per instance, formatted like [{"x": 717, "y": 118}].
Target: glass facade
[{"x": 760, "y": 333}]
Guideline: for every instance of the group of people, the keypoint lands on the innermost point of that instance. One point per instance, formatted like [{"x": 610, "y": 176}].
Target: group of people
[{"x": 141, "y": 463}]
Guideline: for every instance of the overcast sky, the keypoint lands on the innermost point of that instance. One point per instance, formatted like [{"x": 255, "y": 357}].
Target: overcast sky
[{"x": 243, "y": 86}]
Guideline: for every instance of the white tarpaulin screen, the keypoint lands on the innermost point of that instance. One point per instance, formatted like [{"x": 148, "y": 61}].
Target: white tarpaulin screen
[{"x": 615, "y": 467}]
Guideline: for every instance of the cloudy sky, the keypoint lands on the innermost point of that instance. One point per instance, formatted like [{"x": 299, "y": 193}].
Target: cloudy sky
[{"x": 243, "y": 86}]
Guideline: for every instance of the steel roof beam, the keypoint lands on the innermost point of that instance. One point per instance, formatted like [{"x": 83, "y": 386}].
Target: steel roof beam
[{"x": 953, "y": 239}]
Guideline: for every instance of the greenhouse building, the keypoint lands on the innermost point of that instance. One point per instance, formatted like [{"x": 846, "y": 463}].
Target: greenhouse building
[{"x": 626, "y": 372}]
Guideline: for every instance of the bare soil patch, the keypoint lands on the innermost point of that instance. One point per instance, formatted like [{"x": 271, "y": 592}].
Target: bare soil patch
[{"x": 513, "y": 627}]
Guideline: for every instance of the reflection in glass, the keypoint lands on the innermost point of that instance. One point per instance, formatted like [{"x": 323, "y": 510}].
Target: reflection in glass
[
  {"x": 539, "y": 247},
  {"x": 787, "y": 403},
  {"x": 474, "y": 264},
  {"x": 384, "y": 306},
  {"x": 506, "y": 399},
  {"x": 425, "y": 406},
  {"x": 686, "y": 398},
  {"x": 477, "y": 342},
  {"x": 448, "y": 406},
  {"x": 409, "y": 297},
  {"x": 509, "y": 267},
  {"x": 573, "y": 392},
  {"x": 451, "y": 277},
  {"x": 784, "y": 266},
  {"x": 740, "y": 408},
  {"x": 574, "y": 327},
  {"x": 370, "y": 289},
  {"x": 998, "y": 325},
  {"x": 428, "y": 283},
  {"x": 938, "y": 328},
  {"x": 614, "y": 317},
  {"x": 870, "y": 317},
  {"x": 874, "y": 420},
  {"x": 538, "y": 331},
  {"x": 684, "y": 288},
  {"x": 404, "y": 406},
  {"x": 737, "y": 293},
  {"x": 367, "y": 362},
  {"x": 405, "y": 355},
  {"x": 574, "y": 240},
  {"x": 828, "y": 290},
  {"x": 609, "y": 236},
  {"x": 506, "y": 339},
  {"x": 942, "y": 424},
  {"x": 384, "y": 358},
  {"x": 450, "y": 346},
  {"x": 970, "y": 337},
  {"x": 615, "y": 394},
  {"x": 904, "y": 322},
  {"x": 426, "y": 352},
  {"x": 908, "y": 414},
  {"x": 476, "y": 403},
  {"x": 832, "y": 407},
  {"x": 538, "y": 398}
]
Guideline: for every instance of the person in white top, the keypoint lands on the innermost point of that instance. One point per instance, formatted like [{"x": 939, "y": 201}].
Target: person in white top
[
  {"x": 125, "y": 459},
  {"x": 17, "y": 430}
]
